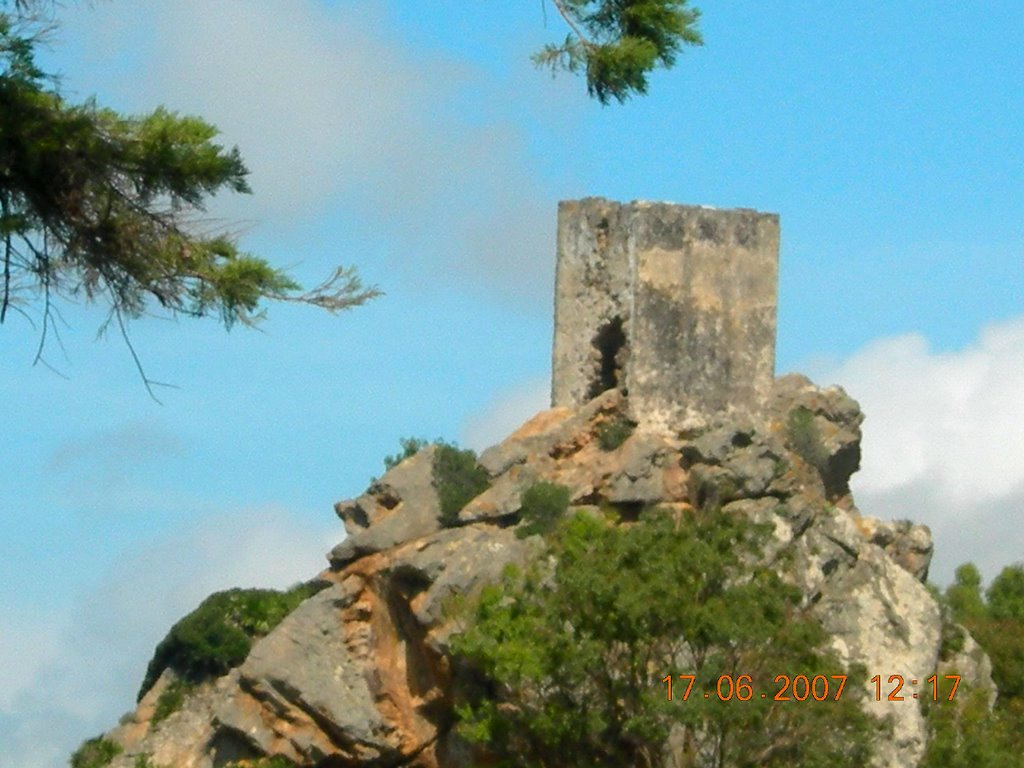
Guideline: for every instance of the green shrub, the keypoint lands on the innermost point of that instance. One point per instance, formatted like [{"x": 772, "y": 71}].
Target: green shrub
[
  {"x": 965, "y": 732},
  {"x": 171, "y": 700},
  {"x": 994, "y": 624},
  {"x": 277, "y": 761},
  {"x": 964, "y": 595},
  {"x": 542, "y": 505},
  {"x": 1006, "y": 594},
  {"x": 218, "y": 635},
  {"x": 805, "y": 438},
  {"x": 95, "y": 753},
  {"x": 968, "y": 732},
  {"x": 410, "y": 447},
  {"x": 952, "y": 639},
  {"x": 457, "y": 480},
  {"x": 614, "y": 432},
  {"x": 568, "y": 658}
]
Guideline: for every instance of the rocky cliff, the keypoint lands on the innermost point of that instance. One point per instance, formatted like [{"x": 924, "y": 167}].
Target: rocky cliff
[{"x": 360, "y": 673}]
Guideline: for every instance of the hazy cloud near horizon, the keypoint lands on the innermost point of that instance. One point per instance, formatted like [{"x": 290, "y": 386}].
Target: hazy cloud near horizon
[
  {"x": 116, "y": 472},
  {"x": 81, "y": 669}
]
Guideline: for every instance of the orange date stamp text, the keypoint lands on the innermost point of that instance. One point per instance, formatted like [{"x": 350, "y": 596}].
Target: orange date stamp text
[{"x": 808, "y": 688}]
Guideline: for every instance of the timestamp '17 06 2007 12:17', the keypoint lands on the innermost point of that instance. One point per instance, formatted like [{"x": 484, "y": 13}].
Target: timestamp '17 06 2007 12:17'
[{"x": 815, "y": 688}]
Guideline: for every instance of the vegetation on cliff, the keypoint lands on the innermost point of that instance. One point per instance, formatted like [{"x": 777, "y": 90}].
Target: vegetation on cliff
[
  {"x": 576, "y": 657},
  {"x": 543, "y": 504},
  {"x": 972, "y": 733},
  {"x": 218, "y": 635},
  {"x": 731, "y": 596},
  {"x": 95, "y": 753},
  {"x": 614, "y": 432},
  {"x": 456, "y": 475},
  {"x": 457, "y": 479}
]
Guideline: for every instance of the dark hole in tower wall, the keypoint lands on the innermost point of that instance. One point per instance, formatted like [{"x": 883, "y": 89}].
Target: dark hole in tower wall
[{"x": 610, "y": 346}]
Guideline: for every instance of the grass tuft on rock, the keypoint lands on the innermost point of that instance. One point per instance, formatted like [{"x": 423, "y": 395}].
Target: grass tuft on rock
[
  {"x": 410, "y": 447},
  {"x": 542, "y": 505},
  {"x": 95, "y": 753},
  {"x": 457, "y": 479},
  {"x": 613, "y": 433},
  {"x": 276, "y": 761},
  {"x": 171, "y": 700},
  {"x": 805, "y": 438}
]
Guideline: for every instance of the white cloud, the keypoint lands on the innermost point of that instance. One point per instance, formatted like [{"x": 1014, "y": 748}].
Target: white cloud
[
  {"x": 943, "y": 439},
  {"x": 506, "y": 413},
  {"x": 944, "y": 442},
  {"x": 77, "y": 673},
  {"x": 337, "y": 116}
]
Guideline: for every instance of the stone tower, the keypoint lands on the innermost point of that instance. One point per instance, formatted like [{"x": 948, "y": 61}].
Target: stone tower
[{"x": 673, "y": 304}]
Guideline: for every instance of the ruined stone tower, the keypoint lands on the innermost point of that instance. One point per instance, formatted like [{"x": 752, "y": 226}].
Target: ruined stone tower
[{"x": 673, "y": 304}]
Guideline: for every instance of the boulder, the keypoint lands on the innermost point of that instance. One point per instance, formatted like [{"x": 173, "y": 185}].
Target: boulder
[
  {"x": 556, "y": 433},
  {"x": 830, "y": 435},
  {"x": 502, "y": 499},
  {"x": 400, "y": 507},
  {"x": 907, "y": 543},
  {"x": 647, "y": 471}
]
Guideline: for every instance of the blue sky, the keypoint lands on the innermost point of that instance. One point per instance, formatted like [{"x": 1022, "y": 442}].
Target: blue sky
[{"x": 418, "y": 144}]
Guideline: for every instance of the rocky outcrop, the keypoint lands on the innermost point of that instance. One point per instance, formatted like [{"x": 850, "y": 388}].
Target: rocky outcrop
[{"x": 360, "y": 673}]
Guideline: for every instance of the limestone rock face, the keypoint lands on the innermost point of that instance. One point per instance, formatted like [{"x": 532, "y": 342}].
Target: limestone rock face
[
  {"x": 399, "y": 507},
  {"x": 361, "y": 674}
]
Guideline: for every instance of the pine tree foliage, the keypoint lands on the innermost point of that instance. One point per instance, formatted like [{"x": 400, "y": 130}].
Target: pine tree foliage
[
  {"x": 105, "y": 207},
  {"x": 617, "y": 43}
]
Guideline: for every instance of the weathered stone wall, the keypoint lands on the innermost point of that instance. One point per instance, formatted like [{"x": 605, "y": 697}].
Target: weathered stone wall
[{"x": 673, "y": 304}]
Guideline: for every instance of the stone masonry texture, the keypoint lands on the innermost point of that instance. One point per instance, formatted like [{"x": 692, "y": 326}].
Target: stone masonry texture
[{"x": 675, "y": 305}]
